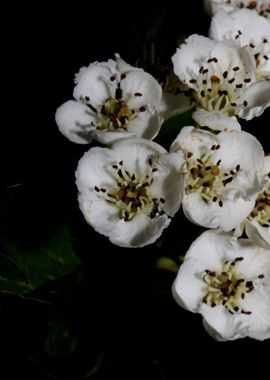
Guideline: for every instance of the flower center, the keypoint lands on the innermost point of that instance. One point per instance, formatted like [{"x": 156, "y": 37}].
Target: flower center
[
  {"x": 215, "y": 92},
  {"x": 114, "y": 114},
  {"x": 261, "y": 211},
  {"x": 227, "y": 287},
  {"x": 207, "y": 178},
  {"x": 131, "y": 194}
]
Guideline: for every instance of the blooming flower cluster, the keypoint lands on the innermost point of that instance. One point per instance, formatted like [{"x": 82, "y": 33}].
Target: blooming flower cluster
[{"x": 131, "y": 188}]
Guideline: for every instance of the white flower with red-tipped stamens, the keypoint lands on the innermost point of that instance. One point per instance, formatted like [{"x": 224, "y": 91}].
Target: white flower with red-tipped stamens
[
  {"x": 130, "y": 192},
  {"x": 224, "y": 176},
  {"x": 257, "y": 225},
  {"x": 262, "y": 7},
  {"x": 236, "y": 26},
  {"x": 113, "y": 100},
  {"x": 221, "y": 77},
  {"x": 227, "y": 281}
]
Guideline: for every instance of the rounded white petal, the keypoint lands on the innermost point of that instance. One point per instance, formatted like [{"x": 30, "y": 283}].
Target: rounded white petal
[
  {"x": 94, "y": 82},
  {"x": 217, "y": 121},
  {"x": 191, "y": 56},
  {"x": 146, "y": 124},
  {"x": 188, "y": 289},
  {"x": 221, "y": 326},
  {"x": 73, "y": 120},
  {"x": 233, "y": 148},
  {"x": 212, "y": 215},
  {"x": 141, "y": 89},
  {"x": 191, "y": 139},
  {"x": 138, "y": 232},
  {"x": 257, "y": 96},
  {"x": 93, "y": 170}
]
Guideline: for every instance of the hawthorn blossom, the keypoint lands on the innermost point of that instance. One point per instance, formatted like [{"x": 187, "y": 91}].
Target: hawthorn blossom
[
  {"x": 227, "y": 281},
  {"x": 223, "y": 178},
  {"x": 237, "y": 26},
  {"x": 112, "y": 100},
  {"x": 221, "y": 77},
  {"x": 130, "y": 192},
  {"x": 257, "y": 225},
  {"x": 262, "y": 7}
]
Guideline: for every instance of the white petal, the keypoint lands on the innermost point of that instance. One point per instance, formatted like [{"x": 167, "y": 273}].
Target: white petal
[
  {"x": 216, "y": 121},
  {"x": 212, "y": 215},
  {"x": 258, "y": 302},
  {"x": 140, "y": 82},
  {"x": 234, "y": 146},
  {"x": 136, "y": 153},
  {"x": 188, "y": 288},
  {"x": 212, "y": 248},
  {"x": 139, "y": 231},
  {"x": 168, "y": 182},
  {"x": 258, "y": 234},
  {"x": 266, "y": 168},
  {"x": 223, "y": 326},
  {"x": 99, "y": 214},
  {"x": 94, "y": 81},
  {"x": 191, "y": 55},
  {"x": 191, "y": 139},
  {"x": 257, "y": 96},
  {"x": 94, "y": 170},
  {"x": 109, "y": 137},
  {"x": 146, "y": 124},
  {"x": 73, "y": 120}
]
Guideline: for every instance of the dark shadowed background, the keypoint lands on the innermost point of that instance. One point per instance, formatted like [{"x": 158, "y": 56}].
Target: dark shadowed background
[{"x": 72, "y": 305}]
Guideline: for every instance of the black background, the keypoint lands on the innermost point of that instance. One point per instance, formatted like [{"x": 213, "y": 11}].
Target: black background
[{"x": 122, "y": 312}]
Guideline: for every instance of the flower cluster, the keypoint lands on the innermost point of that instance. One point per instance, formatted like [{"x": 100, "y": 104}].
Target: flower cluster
[{"x": 130, "y": 187}]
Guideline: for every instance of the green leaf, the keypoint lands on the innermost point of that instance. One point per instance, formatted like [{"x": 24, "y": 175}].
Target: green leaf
[
  {"x": 172, "y": 126},
  {"x": 22, "y": 271}
]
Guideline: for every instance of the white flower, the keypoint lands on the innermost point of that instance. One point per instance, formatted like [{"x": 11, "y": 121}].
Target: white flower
[
  {"x": 222, "y": 77},
  {"x": 224, "y": 176},
  {"x": 257, "y": 225},
  {"x": 261, "y": 6},
  {"x": 227, "y": 281},
  {"x": 237, "y": 26},
  {"x": 113, "y": 100},
  {"x": 129, "y": 192}
]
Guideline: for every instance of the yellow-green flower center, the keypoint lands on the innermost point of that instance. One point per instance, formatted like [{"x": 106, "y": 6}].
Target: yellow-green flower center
[
  {"x": 132, "y": 194},
  {"x": 227, "y": 287},
  {"x": 207, "y": 178}
]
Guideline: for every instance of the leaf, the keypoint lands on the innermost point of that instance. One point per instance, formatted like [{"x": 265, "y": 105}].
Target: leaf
[
  {"x": 22, "y": 271},
  {"x": 172, "y": 126}
]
